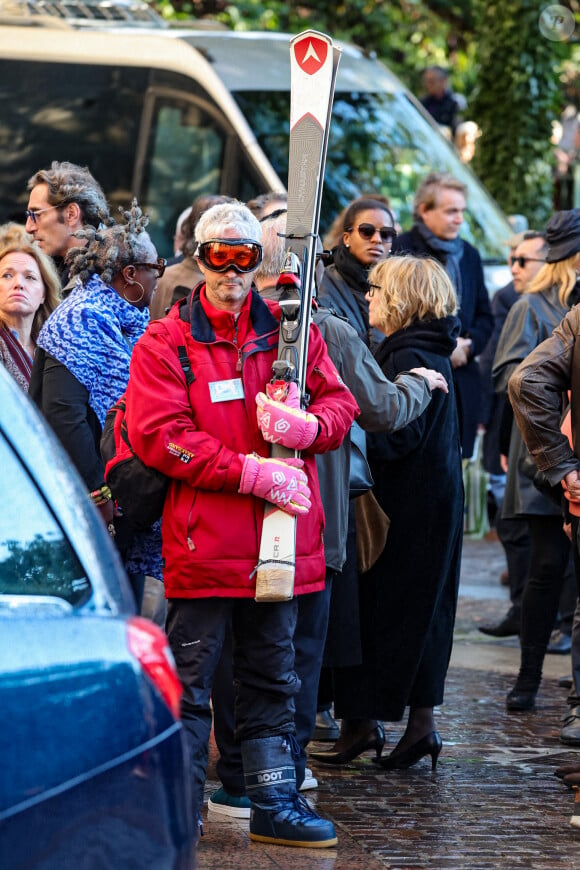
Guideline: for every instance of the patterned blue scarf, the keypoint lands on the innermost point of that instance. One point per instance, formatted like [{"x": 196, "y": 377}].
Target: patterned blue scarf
[{"x": 92, "y": 333}]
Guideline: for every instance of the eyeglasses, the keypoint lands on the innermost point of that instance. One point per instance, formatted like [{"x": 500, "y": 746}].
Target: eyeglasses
[
  {"x": 372, "y": 288},
  {"x": 367, "y": 232},
  {"x": 33, "y": 212},
  {"x": 219, "y": 255},
  {"x": 159, "y": 266},
  {"x": 521, "y": 261}
]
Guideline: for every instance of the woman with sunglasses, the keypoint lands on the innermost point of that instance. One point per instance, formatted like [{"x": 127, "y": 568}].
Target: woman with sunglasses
[
  {"x": 368, "y": 230},
  {"x": 530, "y": 321},
  {"x": 87, "y": 344},
  {"x": 368, "y": 233}
]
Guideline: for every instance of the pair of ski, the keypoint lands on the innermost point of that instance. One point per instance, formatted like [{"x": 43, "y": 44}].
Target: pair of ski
[{"x": 313, "y": 67}]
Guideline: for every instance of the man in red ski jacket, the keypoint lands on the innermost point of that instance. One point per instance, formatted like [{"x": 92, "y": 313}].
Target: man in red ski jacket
[{"x": 212, "y": 440}]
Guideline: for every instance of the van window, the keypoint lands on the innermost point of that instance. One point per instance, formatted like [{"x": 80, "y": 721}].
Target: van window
[
  {"x": 380, "y": 143},
  {"x": 88, "y": 115},
  {"x": 147, "y": 133},
  {"x": 184, "y": 157}
]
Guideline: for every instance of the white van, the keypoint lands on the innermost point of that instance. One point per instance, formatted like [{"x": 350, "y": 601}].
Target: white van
[{"x": 165, "y": 114}]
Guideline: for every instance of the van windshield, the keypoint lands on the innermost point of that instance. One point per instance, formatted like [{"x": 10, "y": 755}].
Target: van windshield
[{"x": 378, "y": 143}]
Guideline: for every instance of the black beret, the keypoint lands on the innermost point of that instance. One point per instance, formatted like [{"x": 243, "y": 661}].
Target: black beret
[{"x": 563, "y": 235}]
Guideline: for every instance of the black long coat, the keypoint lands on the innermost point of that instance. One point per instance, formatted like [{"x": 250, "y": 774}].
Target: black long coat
[
  {"x": 476, "y": 323},
  {"x": 409, "y": 599}
]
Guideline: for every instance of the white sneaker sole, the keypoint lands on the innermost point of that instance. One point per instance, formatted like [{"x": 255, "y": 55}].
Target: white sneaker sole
[{"x": 229, "y": 812}]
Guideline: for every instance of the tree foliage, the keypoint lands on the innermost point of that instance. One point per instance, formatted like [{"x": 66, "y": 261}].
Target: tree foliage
[
  {"x": 496, "y": 54},
  {"x": 407, "y": 34},
  {"x": 515, "y": 104}
]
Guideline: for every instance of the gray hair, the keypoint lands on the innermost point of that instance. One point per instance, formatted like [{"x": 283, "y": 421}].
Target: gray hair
[
  {"x": 274, "y": 248},
  {"x": 228, "y": 216},
  {"x": 110, "y": 249},
  {"x": 67, "y": 183},
  {"x": 429, "y": 189}
]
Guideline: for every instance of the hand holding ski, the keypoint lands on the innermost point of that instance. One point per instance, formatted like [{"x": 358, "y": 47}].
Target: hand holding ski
[
  {"x": 284, "y": 422},
  {"x": 280, "y": 481}
]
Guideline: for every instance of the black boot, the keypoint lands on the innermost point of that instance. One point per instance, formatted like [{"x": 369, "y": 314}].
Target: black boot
[
  {"x": 523, "y": 695},
  {"x": 279, "y": 814}
]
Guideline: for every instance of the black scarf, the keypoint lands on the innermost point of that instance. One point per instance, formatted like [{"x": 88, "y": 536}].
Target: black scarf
[{"x": 355, "y": 275}]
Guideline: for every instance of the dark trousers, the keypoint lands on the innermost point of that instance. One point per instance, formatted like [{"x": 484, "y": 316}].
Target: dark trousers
[
  {"x": 514, "y": 535},
  {"x": 309, "y": 638},
  {"x": 549, "y": 561},
  {"x": 574, "y": 696},
  {"x": 262, "y": 667}
]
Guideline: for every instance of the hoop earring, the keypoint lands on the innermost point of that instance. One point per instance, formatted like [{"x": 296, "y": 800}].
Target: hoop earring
[{"x": 134, "y": 301}]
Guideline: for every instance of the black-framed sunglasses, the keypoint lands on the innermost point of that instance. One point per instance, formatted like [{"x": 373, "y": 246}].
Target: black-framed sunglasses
[
  {"x": 521, "y": 261},
  {"x": 159, "y": 266},
  {"x": 219, "y": 255},
  {"x": 368, "y": 231},
  {"x": 372, "y": 288}
]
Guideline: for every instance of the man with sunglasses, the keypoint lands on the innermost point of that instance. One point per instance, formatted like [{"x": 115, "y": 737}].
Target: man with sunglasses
[
  {"x": 212, "y": 440},
  {"x": 63, "y": 199},
  {"x": 527, "y": 255},
  {"x": 438, "y": 213}
]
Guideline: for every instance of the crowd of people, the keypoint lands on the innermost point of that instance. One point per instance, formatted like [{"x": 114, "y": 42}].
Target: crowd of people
[{"x": 402, "y": 327}]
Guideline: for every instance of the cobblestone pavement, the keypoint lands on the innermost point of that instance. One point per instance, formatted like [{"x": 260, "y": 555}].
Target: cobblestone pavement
[{"x": 493, "y": 801}]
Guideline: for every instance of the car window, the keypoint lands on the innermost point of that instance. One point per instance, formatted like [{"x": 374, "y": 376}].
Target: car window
[
  {"x": 35, "y": 556},
  {"x": 381, "y": 143}
]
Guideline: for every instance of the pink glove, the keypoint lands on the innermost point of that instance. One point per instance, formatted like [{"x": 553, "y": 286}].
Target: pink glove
[
  {"x": 284, "y": 422},
  {"x": 280, "y": 481}
]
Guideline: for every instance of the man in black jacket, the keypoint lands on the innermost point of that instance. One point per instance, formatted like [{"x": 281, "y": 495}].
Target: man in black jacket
[
  {"x": 438, "y": 211},
  {"x": 441, "y": 102}
]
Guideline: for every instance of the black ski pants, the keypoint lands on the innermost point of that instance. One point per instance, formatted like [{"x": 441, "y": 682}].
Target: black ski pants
[{"x": 263, "y": 669}]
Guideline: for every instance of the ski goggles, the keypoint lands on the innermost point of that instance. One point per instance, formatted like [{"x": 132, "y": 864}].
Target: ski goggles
[
  {"x": 219, "y": 255},
  {"x": 367, "y": 232}
]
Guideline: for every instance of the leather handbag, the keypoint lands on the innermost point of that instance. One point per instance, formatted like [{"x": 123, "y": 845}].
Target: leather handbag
[
  {"x": 361, "y": 479},
  {"x": 372, "y": 528}
]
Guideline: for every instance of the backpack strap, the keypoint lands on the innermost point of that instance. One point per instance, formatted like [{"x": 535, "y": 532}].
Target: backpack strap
[
  {"x": 185, "y": 364},
  {"x": 181, "y": 350}
]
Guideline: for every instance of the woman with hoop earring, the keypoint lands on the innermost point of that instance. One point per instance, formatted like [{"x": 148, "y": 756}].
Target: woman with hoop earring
[{"x": 84, "y": 370}]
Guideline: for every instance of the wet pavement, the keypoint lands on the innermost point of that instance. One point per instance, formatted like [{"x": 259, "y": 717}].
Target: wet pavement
[{"x": 493, "y": 801}]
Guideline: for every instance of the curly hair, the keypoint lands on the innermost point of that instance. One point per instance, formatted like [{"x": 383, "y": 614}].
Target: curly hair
[
  {"x": 52, "y": 289},
  {"x": 410, "y": 289},
  {"x": 68, "y": 182},
  {"x": 110, "y": 249}
]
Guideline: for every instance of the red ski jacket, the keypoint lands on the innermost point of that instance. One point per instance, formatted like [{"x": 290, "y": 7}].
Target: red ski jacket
[{"x": 211, "y": 533}]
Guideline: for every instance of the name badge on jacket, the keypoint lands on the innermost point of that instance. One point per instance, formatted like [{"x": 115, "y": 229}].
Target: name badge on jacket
[{"x": 226, "y": 391}]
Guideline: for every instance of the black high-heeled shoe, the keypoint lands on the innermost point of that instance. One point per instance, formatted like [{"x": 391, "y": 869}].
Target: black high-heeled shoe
[
  {"x": 429, "y": 745},
  {"x": 374, "y": 739}
]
